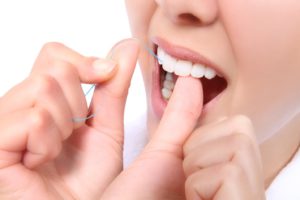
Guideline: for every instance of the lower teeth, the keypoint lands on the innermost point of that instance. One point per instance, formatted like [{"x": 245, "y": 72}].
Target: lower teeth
[
  {"x": 166, "y": 93},
  {"x": 168, "y": 86}
]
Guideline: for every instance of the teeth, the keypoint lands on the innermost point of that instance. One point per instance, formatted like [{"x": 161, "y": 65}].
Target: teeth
[
  {"x": 169, "y": 63},
  {"x": 183, "y": 67},
  {"x": 169, "y": 85},
  {"x": 161, "y": 55},
  {"x": 180, "y": 68},
  {"x": 198, "y": 71},
  {"x": 169, "y": 77},
  {"x": 166, "y": 93},
  {"x": 210, "y": 73}
]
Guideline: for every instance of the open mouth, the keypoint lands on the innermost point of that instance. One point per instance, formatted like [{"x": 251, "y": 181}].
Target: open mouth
[{"x": 170, "y": 67}]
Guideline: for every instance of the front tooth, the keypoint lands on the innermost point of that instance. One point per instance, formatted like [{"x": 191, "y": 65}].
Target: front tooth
[
  {"x": 183, "y": 68},
  {"x": 210, "y": 73},
  {"x": 166, "y": 93},
  {"x": 161, "y": 55},
  {"x": 169, "y": 85},
  {"x": 198, "y": 71},
  {"x": 169, "y": 63}
]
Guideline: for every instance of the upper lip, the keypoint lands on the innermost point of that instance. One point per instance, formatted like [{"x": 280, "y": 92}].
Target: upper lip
[{"x": 184, "y": 53}]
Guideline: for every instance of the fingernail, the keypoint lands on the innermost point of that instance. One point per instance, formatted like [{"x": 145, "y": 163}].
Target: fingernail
[{"x": 104, "y": 66}]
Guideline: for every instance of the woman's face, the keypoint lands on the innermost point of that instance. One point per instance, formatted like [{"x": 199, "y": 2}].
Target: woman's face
[{"x": 254, "y": 45}]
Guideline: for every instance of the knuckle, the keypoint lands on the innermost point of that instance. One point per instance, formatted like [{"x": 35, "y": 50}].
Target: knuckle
[
  {"x": 242, "y": 120},
  {"x": 51, "y": 48},
  {"x": 194, "y": 162},
  {"x": 241, "y": 142},
  {"x": 45, "y": 84},
  {"x": 231, "y": 171},
  {"x": 63, "y": 70},
  {"x": 190, "y": 182},
  {"x": 242, "y": 124},
  {"x": 39, "y": 119},
  {"x": 192, "y": 185}
]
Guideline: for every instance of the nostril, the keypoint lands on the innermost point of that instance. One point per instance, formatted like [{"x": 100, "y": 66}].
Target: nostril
[{"x": 188, "y": 18}]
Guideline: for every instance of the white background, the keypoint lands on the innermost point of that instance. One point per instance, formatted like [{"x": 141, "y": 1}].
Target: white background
[{"x": 90, "y": 27}]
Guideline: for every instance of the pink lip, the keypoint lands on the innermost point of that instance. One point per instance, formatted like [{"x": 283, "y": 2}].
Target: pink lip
[
  {"x": 158, "y": 102},
  {"x": 183, "y": 53}
]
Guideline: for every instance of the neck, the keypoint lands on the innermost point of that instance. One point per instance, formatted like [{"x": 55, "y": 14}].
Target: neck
[{"x": 278, "y": 151}]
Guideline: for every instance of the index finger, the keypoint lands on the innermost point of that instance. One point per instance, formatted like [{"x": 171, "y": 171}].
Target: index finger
[{"x": 90, "y": 69}]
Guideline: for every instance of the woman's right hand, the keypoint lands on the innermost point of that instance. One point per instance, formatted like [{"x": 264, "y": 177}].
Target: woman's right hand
[
  {"x": 158, "y": 172},
  {"x": 46, "y": 155}
]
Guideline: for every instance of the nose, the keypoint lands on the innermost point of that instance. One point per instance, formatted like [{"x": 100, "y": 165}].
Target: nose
[{"x": 189, "y": 12}]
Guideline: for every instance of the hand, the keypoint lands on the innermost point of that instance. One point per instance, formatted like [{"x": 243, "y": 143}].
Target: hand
[
  {"x": 157, "y": 173},
  {"x": 43, "y": 154},
  {"x": 222, "y": 161}
]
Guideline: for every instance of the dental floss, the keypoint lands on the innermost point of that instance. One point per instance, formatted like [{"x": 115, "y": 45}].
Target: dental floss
[
  {"x": 83, "y": 119},
  {"x": 153, "y": 54}
]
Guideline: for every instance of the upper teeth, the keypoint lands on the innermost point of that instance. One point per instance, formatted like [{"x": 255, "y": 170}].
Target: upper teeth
[{"x": 183, "y": 67}]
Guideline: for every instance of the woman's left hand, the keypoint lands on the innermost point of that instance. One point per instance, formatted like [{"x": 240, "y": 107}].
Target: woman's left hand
[{"x": 222, "y": 161}]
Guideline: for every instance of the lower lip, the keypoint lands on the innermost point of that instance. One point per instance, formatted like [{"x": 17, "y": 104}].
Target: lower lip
[{"x": 159, "y": 103}]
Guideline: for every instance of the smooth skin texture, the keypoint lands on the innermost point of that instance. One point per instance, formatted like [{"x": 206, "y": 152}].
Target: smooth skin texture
[
  {"x": 228, "y": 155},
  {"x": 43, "y": 153},
  {"x": 157, "y": 173},
  {"x": 53, "y": 158},
  {"x": 253, "y": 132}
]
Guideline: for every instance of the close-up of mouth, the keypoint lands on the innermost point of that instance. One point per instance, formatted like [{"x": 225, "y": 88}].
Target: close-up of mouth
[{"x": 173, "y": 61}]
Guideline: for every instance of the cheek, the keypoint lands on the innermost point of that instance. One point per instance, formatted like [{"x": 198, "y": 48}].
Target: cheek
[
  {"x": 265, "y": 39},
  {"x": 139, "y": 14}
]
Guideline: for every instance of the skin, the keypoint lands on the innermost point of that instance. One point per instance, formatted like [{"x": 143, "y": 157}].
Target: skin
[
  {"x": 254, "y": 43},
  {"x": 50, "y": 156},
  {"x": 251, "y": 41}
]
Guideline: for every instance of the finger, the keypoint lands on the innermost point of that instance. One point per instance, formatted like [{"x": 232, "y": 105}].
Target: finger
[
  {"x": 35, "y": 140},
  {"x": 43, "y": 91},
  {"x": 236, "y": 148},
  {"x": 67, "y": 77},
  {"x": 225, "y": 181},
  {"x": 109, "y": 98},
  {"x": 63, "y": 78},
  {"x": 70, "y": 69},
  {"x": 90, "y": 69},
  {"x": 210, "y": 132},
  {"x": 181, "y": 115}
]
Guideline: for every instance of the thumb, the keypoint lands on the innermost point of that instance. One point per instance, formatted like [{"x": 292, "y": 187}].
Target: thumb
[
  {"x": 109, "y": 98},
  {"x": 180, "y": 117}
]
